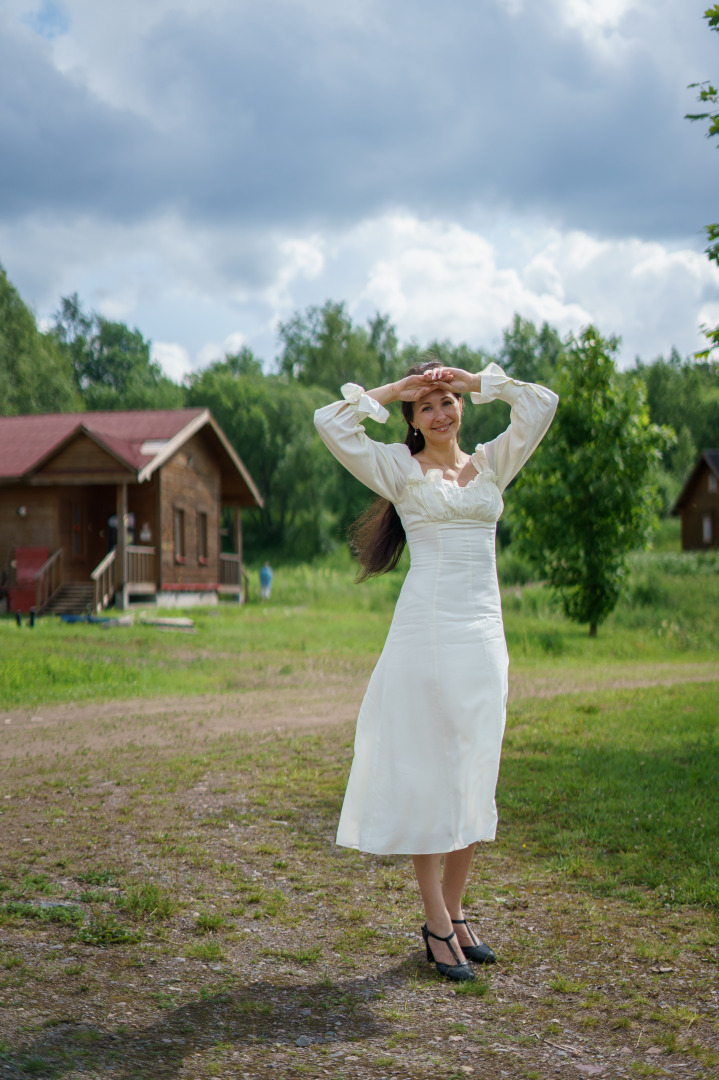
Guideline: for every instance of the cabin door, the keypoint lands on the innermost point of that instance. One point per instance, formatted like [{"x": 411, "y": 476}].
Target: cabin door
[
  {"x": 78, "y": 529},
  {"x": 86, "y": 511}
]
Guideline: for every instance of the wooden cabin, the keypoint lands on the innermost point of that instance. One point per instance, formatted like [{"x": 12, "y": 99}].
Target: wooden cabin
[
  {"x": 114, "y": 505},
  {"x": 698, "y": 505}
]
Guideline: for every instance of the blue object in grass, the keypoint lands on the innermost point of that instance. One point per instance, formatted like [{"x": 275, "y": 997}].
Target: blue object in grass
[{"x": 85, "y": 618}]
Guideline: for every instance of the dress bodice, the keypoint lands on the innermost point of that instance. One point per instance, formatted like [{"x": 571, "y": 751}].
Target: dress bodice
[{"x": 429, "y": 497}]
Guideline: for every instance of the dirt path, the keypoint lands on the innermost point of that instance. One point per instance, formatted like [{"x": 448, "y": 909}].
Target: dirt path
[{"x": 301, "y": 704}]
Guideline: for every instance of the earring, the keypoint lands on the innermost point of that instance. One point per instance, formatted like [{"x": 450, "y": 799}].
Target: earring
[{"x": 416, "y": 433}]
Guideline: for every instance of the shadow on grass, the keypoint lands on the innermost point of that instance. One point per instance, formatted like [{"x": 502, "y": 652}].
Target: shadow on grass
[{"x": 259, "y": 1016}]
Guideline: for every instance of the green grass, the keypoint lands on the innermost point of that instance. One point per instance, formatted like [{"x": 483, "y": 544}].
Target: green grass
[
  {"x": 619, "y": 790},
  {"x": 207, "y": 950},
  {"x": 63, "y": 914},
  {"x": 105, "y": 929},
  {"x": 150, "y": 900},
  {"x": 209, "y": 922},
  {"x": 319, "y": 620}
]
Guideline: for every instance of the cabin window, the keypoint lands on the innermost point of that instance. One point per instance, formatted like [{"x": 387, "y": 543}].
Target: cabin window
[
  {"x": 179, "y": 519},
  {"x": 202, "y": 551},
  {"x": 712, "y": 484},
  {"x": 707, "y": 533}
]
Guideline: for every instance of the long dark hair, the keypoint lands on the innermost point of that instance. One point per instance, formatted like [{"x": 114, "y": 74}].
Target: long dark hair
[{"x": 377, "y": 538}]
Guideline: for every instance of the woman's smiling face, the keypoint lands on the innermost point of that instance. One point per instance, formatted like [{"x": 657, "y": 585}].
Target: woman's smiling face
[{"x": 438, "y": 416}]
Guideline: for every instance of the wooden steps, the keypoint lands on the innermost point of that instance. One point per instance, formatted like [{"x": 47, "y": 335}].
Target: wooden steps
[{"x": 72, "y": 598}]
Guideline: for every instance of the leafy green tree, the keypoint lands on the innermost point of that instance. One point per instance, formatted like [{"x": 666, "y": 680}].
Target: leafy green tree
[
  {"x": 383, "y": 342},
  {"x": 35, "y": 375},
  {"x": 587, "y": 499},
  {"x": 322, "y": 347},
  {"x": 709, "y": 95},
  {"x": 112, "y": 364},
  {"x": 268, "y": 419},
  {"x": 683, "y": 394},
  {"x": 529, "y": 354}
]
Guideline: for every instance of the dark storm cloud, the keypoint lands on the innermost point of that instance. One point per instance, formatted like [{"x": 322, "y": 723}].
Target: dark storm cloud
[
  {"x": 61, "y": 150},
  {"x": 276, "y": 114}
]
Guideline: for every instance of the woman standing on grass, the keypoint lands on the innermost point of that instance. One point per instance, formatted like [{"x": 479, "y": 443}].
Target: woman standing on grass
[{"x": 430, "y": 729}]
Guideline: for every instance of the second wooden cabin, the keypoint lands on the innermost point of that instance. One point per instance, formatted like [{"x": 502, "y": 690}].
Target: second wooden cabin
[{"x": 698, "y": 505}]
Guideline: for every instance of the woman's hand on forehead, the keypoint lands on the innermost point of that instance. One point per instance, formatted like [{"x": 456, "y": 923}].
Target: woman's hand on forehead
[{"x": 414, "y": 387}]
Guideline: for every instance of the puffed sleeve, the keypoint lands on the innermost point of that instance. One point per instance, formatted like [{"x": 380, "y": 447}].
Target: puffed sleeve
[
  {"x": 532, "y": 411},
  {"x": 382, "y": 467}
]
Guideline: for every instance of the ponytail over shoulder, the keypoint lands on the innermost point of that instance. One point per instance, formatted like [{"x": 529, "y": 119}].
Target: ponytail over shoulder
[{"x": 377, "y": 538}]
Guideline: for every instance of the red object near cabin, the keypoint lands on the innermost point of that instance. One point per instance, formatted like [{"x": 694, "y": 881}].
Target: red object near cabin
[{"x": 28, "y": 561}]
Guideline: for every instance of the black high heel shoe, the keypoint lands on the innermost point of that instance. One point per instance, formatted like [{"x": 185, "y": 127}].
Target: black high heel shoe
[
  {"x": 460, "y": 972},
  {"x": 478, "y": 952}
]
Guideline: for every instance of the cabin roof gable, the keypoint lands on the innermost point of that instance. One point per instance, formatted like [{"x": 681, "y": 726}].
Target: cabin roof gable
[
  {"x": 110, "y": 456},
  {"x": 27, "y": 441},
  {"x": 708, "y": 459},
  {"x": 139, "y": 442},
  {"x": 206, "y": 424}
]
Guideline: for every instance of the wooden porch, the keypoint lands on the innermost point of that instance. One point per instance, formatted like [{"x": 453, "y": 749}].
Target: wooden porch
[
  {"x": 139, "y": 578},
  {"x": 52, "y": 591}
]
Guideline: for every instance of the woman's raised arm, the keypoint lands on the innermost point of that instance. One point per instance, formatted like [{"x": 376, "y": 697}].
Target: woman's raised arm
[
  {"x": 532, "y": 411},
  {"x": 382, "y": 467}
]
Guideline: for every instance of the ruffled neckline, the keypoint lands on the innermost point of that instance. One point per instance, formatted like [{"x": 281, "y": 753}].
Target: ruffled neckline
[{"x": 435, "y": 476}]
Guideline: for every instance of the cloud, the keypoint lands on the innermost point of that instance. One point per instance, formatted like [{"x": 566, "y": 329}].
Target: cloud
[
  {"x": 291, "y": 114},
  {"x": 591, "y": 15},
  {"x": 202, "y": 168},
  {"x": 435, "y": 278},
  {"x": 438, "y": 280},
  {"x": 442, "y": 281},
  {"x": 212, "y": 351},
  {"x": 173, "y": 359}
]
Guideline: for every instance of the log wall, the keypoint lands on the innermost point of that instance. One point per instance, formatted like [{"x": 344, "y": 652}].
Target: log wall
[
  {"x": 190, "y": 481},
  {"x": 40, "y": 526}
]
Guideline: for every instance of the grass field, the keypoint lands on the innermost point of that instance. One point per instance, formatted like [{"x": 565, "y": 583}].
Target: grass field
[
  {"x": 319, "y": 617},
  {"x": 175, "y": 907}
]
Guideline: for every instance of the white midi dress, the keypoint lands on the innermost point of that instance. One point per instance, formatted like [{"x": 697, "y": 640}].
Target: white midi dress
[{"x": 429, "y": 732}]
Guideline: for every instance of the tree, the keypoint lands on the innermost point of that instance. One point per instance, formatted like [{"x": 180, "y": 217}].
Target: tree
[
  {"x": 324, "y": 348},
  {"x": 684, "y": 395},
  {"x": 586, "y": 499},
  {"x": 529, "y": 354},
  {"x": 268, "y": 420},
  {"x": 709, "y": 95},
  {"x": 35, "y": 375},
  {"x": 112, "y": 364}
]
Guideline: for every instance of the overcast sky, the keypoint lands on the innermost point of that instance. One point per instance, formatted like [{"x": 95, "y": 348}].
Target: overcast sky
[{"x": 201, "y": 169}]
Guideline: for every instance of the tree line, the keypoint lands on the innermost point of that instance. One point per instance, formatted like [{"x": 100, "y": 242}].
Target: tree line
[{"x": 621, "y": 447}]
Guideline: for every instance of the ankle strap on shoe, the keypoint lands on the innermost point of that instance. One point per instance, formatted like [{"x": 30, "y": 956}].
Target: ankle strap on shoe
[
  {"x": 463, "y": 922},
  {"x": 438, "y": 938},
  {"x": 447, "y": 941}
]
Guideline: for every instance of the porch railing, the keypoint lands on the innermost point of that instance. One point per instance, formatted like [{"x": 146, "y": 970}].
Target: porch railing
[
  {"x": 233, "y": 578},
  {"x": 139, "y": 565},
  {"x": 103, "y": 578},
  {"x": 48, "y": 580},
  {"x": 139, "y": 574}
]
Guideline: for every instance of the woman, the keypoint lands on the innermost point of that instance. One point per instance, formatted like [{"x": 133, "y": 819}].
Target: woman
[{"x": 430, "y": 728}]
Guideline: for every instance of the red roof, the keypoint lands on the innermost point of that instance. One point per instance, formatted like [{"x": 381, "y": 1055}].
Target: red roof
[{"x": 27, "y": 440}]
